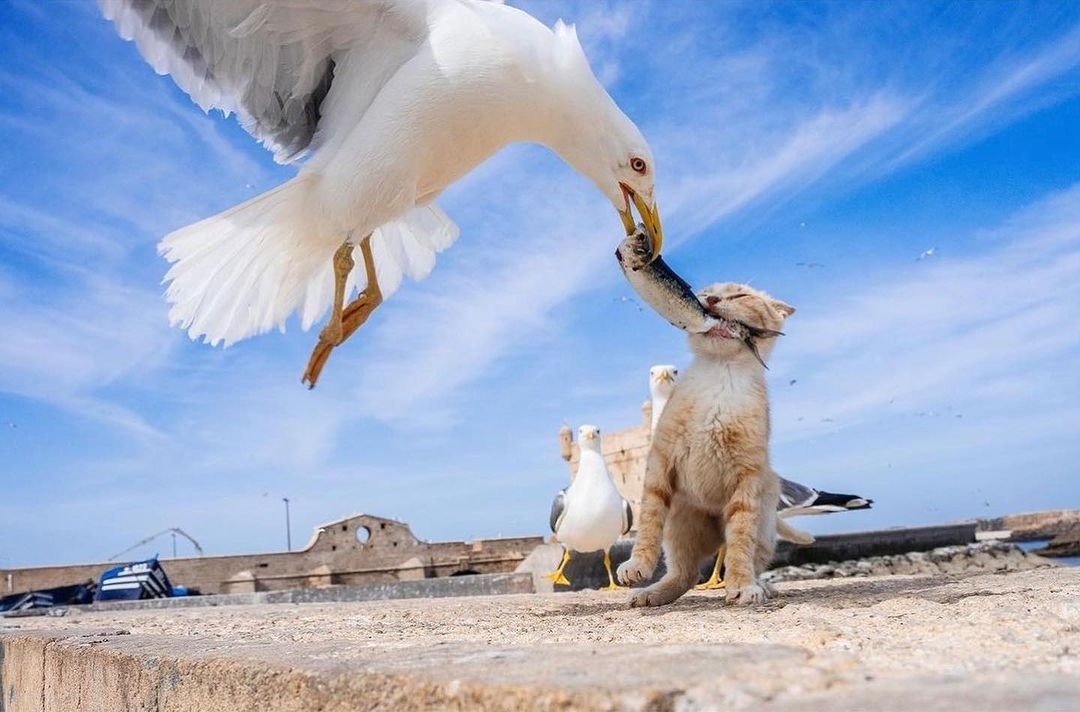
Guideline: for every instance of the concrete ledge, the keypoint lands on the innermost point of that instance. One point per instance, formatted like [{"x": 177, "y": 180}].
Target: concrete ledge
[
  {"x": 477, "y": 585},
  {"x": 987, "y": 642}
]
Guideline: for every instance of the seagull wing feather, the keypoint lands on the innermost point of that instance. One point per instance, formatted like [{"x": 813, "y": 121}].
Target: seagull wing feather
[
  {"x": 272, "y": 62},
  {"x": 794, "y": 494},
  {"x": 558, "y": 510}
]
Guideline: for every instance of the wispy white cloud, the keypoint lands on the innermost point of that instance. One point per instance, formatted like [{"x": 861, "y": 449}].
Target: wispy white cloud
[
  {"x": 965, "y": 362},
  {"x": 1013, "y": 86},
  {"x": 802, "y": 155}
]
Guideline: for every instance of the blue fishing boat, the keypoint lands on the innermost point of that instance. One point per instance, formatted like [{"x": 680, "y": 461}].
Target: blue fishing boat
[
  {"x": 48, "y": 597},
  {"x": 135, "y": 581}
]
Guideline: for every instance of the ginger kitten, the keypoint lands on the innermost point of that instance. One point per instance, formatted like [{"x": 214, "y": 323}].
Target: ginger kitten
[{"x": 708, "y": 479}]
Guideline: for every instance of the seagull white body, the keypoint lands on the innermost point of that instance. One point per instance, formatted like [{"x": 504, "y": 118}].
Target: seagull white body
[
  {"x": 594, "y": 513},
  {"x": 391, "y": 101}
]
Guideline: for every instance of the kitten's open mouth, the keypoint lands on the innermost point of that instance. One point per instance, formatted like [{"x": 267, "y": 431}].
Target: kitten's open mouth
[{"x": 721, "y": 331}]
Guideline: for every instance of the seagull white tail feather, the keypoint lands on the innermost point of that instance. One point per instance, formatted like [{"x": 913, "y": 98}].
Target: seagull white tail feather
[
  {"x": 789, "y": 533},
  {"x": 246, "y": 270}
]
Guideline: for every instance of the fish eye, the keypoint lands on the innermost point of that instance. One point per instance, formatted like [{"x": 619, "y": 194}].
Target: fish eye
[{"x": 638, "y": 164}]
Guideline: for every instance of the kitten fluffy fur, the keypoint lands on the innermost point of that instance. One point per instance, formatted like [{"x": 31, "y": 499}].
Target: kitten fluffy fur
[{"x": 708, "y": 479}]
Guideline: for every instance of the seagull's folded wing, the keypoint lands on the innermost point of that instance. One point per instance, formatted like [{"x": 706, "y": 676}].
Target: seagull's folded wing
[
  {"x": 794, "y": 494},
  {"x": 558, "y": 509},
  {"x": 270, "y": 61}
]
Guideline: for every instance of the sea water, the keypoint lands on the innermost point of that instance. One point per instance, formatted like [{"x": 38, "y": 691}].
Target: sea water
[{"x": 1037, "y": 544}]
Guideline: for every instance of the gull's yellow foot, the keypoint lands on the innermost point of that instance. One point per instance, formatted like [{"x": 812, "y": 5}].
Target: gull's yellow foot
[
  {"x": 712, "y": 584},
  {"x": 611, "y": 586},
  {"x": 557, "y": 577},
  {"x": 715, "y": 581}
]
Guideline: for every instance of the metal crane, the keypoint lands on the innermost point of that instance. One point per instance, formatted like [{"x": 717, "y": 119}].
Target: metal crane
[{"x": 147, "y": 540}]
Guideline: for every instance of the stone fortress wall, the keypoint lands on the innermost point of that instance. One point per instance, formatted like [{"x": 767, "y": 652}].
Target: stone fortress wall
[{"x": 361, "y": 549}]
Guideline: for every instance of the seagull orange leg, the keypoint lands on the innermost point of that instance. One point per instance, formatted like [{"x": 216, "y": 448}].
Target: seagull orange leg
[
  {"x": 343, "y": 265},
  {"x": 351, "y": 317},
  {"x": 611, "y": 585}
]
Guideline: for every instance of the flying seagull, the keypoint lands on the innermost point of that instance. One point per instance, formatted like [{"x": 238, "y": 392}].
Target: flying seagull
[
  {"x": 388, "y": 102},
  {"x": 590, "y": 514},
  {"x": 795, "y": 499}
]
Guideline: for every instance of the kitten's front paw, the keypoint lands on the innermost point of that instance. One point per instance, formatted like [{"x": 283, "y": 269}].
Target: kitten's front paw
[
  {"x": 634, "y": 570},
  {"x": 750, "y": 594},
  {"x": 652, "y": 596}
]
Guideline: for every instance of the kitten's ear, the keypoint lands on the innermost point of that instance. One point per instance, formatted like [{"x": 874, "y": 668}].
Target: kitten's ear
[{"x": 784, "y": 308}]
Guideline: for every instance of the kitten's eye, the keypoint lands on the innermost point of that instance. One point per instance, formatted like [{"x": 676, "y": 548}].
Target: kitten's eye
[
  {"x": 638, "y": 164},
  {"x": 738, "y": 296}
]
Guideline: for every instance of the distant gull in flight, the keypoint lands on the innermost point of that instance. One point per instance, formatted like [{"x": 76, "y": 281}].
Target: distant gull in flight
[
  {"x": 389, "y": 102},
  {"x": 926, "y": 254},
  {"x": 590, "y": 514}
]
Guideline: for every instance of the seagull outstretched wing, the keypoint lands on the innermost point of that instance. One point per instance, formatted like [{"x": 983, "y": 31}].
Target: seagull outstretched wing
[{"x": 272, "y": 63}]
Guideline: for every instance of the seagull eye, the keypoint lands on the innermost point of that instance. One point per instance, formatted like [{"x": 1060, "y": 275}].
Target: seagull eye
[{"x": 638, "y": 164}]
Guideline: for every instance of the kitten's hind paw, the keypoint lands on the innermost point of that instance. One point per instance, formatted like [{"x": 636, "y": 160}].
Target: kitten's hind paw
[
  {"x": 634, "y": 570},
  {"x": 750, "y": 594}
]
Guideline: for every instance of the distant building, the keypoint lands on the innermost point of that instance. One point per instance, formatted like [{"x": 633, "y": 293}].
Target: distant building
[{"x": 361, "y": 549}]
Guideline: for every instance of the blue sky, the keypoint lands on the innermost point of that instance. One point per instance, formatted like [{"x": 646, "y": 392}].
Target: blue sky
[{"x": 851, "y": 135}]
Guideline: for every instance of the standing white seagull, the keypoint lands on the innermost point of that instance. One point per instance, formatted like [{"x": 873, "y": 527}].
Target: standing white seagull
[
  {"x": 590, "y": 514},
  {"x": 390, "y": 101}
]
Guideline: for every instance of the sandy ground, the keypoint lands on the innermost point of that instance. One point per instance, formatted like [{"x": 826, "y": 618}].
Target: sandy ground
[{"x": 986, "y": 641}]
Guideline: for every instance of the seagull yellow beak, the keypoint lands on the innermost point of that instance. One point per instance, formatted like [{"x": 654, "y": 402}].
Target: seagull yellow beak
[{"x": 650, "y": 216}]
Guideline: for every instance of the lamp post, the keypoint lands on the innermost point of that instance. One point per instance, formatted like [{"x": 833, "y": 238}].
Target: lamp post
[{"x": 288, "y": 529}]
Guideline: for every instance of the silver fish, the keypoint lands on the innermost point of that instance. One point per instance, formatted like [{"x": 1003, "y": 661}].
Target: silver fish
[{"x": 672, "y": 298}]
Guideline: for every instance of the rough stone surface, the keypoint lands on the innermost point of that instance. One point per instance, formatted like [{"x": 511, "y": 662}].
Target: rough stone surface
[{"x": 1000, "y": 641}]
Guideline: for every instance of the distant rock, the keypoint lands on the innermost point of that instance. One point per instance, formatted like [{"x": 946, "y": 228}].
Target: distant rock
[{"x": 1065, "y": 544}]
